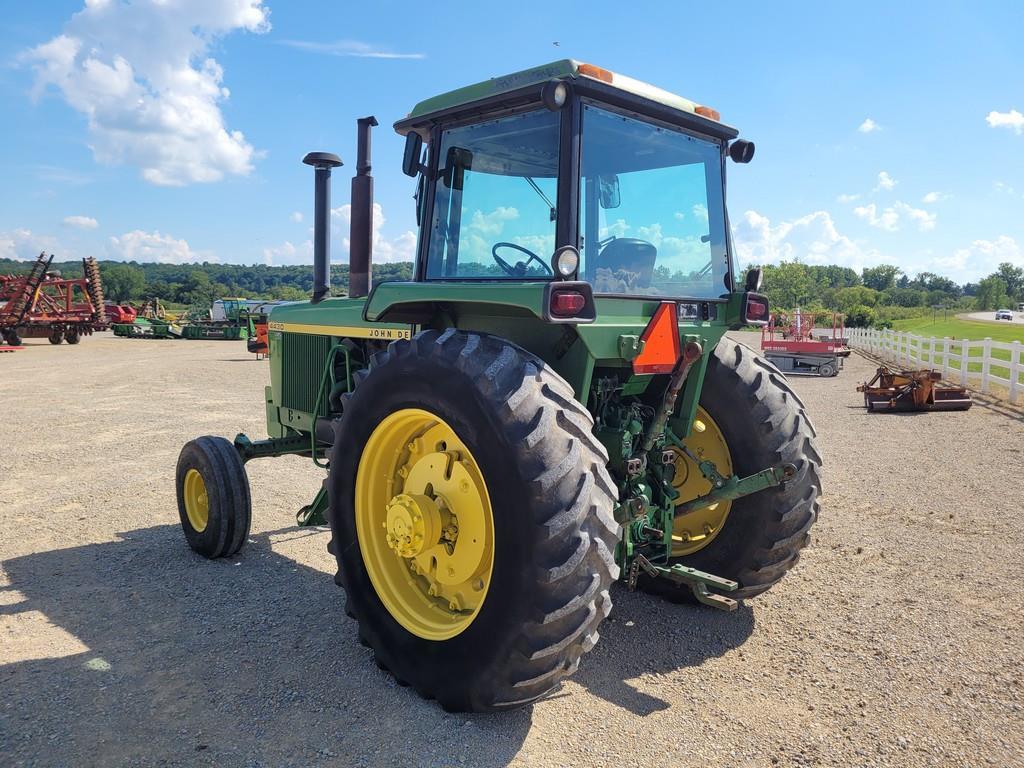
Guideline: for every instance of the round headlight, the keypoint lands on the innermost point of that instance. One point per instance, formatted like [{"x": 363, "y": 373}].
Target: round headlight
[
  {"x": 566, "y": 261},
  {"x": 555, "y": 94}
]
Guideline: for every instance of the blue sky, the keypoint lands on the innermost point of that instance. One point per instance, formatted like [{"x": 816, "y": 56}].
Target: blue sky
[{"x": 174, "y": 131}]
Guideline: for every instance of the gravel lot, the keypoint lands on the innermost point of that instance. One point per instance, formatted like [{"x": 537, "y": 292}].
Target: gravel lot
[{"x": 896, "y": 641}]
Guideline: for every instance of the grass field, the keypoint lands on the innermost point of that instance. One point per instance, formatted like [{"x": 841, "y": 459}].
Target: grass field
[
  {"x": 960, "y": 329},
  {"x": 964, "y": 329}
]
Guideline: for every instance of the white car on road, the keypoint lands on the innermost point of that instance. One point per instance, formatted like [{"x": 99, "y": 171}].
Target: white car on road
[{"x": 1004, "y": 314}]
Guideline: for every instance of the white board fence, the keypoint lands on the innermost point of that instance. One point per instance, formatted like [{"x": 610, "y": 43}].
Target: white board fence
[{"x": 977, "y": 364}]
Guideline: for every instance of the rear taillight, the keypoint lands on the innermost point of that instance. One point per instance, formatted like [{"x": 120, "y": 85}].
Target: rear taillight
[
  {"x": 755, "y": 309},
  {"x": 567, "y": 303}
]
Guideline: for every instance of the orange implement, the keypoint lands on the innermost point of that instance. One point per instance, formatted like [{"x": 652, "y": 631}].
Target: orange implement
[{"x": 893, "y": 390}]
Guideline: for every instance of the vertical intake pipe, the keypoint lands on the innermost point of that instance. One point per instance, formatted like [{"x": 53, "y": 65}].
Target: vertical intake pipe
[
  {"x": 322, "y": 163},
  {"x": 360, "y": 249}
]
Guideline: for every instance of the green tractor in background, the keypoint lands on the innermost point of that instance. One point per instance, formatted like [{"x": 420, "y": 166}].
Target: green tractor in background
[
  {"x": 550, "y": 406},
  {"x": 237, "y": 322}
]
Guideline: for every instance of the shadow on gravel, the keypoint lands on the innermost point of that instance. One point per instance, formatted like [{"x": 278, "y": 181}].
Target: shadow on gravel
[
  {"x": 1002, "y": 407},
  {"x": 648, "y": 635},
  {"x": 248, "y": 661}
]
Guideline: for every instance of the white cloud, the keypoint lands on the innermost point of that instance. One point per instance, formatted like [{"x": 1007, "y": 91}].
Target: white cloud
[
  {"x": 869, "y": 126},
  {"x": 811, "y": 239},
  {"x": 935, "y": 197},
  {"x": 81, "y": 222},
  {"x": 844, "y": 198},
  {"x": 980, "y": 258},
  {"x": 350, "y": 48},
  {"x": 152, "y": 246},
  {"x": 141, "y": 75},
  {"x": 618, "y": 228},
  {"x": 889, "y": 218},
  {"x": 287, "y": 253},
  {"x": 700, "y": 211},
  {"x": 23, "y": 244},
  {"x": 1000, "y": 186},
  {"x": 61, "y": 175},
  {"x": 885, "y": 181},
  {"x": 1012, "y": 120},
  {"x": 492, "y": 223},
  {"x": 385, "y": 250},
  {"x": 296, "y": 217},
  {"x": 925, "y": 221}
]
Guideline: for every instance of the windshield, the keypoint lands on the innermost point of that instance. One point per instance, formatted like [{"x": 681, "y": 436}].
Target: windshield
[
  {"x": 494, "y": 202},
  {"x": 652, "y": 215}
]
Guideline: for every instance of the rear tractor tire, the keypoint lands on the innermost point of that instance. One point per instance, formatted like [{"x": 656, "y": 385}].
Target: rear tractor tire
[
  {"x": 213, "y": 497},
  {"x": 749, "y": 418},
  {"x": 471, "y": 518}
]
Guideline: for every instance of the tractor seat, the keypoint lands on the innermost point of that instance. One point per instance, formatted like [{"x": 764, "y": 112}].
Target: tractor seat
[{"x": 631, "y": 255}]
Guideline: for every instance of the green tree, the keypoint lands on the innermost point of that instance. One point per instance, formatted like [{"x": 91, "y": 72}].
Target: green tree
[
  {"x": 1014, "y": 279},
  {"x": 858, "y": 295},
  {"x": 881, "y": 278},
  {"x": 833, "y": 276},
  {"x": 121, "y": 282},
  {"x": 287, "y": 293},
  {"x": 860, "y": 316},
  {"x": 991, "y": 293},
  {"x": 905, "y": 297},
  {"x": 788, "y": 285}
]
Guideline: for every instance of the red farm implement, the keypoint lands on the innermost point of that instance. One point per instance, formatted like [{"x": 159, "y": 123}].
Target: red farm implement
[
  {"x": 43, "y": 304},
  {"x": 796, "y": 345}
]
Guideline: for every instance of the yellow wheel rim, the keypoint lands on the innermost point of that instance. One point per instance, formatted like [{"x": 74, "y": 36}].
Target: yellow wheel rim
[
  {"x": 694, "y": 531},
  {"x": 424, "y": 524},
  {"x": 197, "y": 503}
]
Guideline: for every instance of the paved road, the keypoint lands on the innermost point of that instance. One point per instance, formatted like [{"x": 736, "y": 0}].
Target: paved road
[{"x": 1018, "y": 317}]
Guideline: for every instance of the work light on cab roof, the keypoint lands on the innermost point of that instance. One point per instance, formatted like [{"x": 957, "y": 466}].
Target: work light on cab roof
[{"x": 548, "y": 406}]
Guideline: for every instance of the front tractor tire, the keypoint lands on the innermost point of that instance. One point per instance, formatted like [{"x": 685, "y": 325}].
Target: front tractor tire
[
  {"x": 472, "y": 520},
  {"x": 213, "y": 497},
  {"x": 749, "y": 418}
]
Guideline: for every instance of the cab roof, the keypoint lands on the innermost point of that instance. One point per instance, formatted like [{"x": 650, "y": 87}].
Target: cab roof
[{"x": 570, "y": 70}]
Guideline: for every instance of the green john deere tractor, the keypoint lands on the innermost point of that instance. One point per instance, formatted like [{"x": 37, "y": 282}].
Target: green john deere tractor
[{"x": 550, "y": 406}]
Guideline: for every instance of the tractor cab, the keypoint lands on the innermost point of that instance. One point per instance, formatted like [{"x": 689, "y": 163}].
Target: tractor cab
[{"x": 571, "y": 172}]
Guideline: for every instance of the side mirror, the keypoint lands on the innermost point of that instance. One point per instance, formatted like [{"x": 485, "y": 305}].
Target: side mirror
[
  {"x": 411, "y": 159},
  {"x": 608, "y": 191},
  {"x": 741, "y": 151},
  {"x": 754, "y": 280},
  {"x": 457, "y": 163}
]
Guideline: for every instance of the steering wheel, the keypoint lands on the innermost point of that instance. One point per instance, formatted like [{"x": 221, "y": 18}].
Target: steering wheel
[{"x": 519, "y": 270}]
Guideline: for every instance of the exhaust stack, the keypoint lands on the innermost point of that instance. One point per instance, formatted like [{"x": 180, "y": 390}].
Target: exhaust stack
[
  {"x": 361, "y": 227},
  {"x": 322, "y": 163}
]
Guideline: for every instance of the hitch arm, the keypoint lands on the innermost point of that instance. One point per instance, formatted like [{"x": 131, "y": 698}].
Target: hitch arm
[{"x": 737, "y": 487}]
